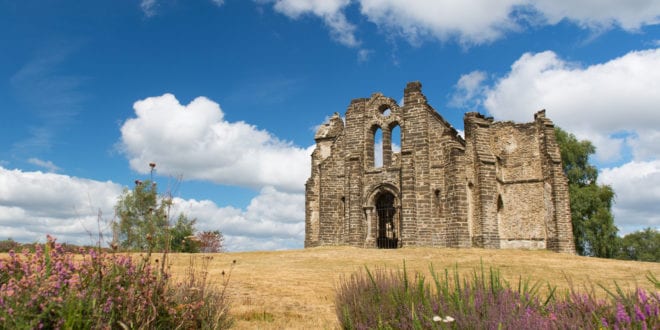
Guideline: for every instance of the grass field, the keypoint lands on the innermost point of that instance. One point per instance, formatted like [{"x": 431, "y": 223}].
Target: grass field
[{"x": 295, "y": 289}]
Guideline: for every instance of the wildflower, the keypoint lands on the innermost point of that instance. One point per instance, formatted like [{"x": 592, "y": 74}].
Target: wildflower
[
  {"x": 138, "y": 182},
  {"x": 604, "y": 322},
  {"x": 152, "y": 165},
  {"x": 448, "y": 319},
  {"x": 638, "y": 314},
  {"x": 437, "y": 318},
  {"x": 621, "y": 315}
]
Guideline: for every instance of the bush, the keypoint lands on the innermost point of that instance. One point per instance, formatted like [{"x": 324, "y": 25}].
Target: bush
[
  {"x": 393, "y": 300},
  {"x": 50, "y": 288}
]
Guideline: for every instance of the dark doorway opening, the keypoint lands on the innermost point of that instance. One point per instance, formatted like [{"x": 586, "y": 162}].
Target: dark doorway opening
[{"x": 387, "y": 229}]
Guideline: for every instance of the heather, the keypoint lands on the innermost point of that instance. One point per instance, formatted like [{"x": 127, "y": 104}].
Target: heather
[
  {"x": 55, "y": 289},
  {"x": 384, "y": 299}
]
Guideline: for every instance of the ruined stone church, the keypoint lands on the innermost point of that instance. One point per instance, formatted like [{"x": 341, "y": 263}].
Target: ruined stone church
[{"x": 502, "y": 186}]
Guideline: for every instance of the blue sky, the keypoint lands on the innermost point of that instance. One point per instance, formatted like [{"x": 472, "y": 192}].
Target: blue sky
[{"x": 225, "y": 95}]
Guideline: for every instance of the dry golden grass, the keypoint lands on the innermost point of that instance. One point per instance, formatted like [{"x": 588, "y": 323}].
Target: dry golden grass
[{"x": 295, "y": 289}]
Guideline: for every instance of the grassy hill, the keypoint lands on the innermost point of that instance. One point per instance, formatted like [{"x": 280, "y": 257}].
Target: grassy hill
[{"x": 295, "y": 289}]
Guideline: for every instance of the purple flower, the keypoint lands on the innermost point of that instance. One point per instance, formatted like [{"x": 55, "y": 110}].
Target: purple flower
[
  {"x": 604, "y": 322},
  {"x": 107, "y": 306},
  {"x": 621, "y": 314},
  {"x": 638, "y": 314}
]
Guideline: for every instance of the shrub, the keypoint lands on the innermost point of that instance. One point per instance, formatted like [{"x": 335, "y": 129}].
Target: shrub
[
  {"x": 394, "y": 300},
  {"x": 50, "y": 288}
]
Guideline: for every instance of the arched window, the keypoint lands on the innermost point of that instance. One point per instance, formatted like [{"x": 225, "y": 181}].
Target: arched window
[{"x": 378, "y": 147}]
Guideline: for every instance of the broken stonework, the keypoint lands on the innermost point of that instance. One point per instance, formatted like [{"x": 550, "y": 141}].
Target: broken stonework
[{"x": 500, "y": 187}]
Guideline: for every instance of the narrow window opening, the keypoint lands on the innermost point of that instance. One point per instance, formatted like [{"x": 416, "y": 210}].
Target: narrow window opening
[
  {"x": 396, "y": 138},
  {"x": 342, "y": 209},
  {"x": 378, "y": 147},
  {"x": 500, "y": 203},
  {"x": 438, "y": 201}
]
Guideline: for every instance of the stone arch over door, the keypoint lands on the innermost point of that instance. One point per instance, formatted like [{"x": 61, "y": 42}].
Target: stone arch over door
[{"x": 383, "y": 215}]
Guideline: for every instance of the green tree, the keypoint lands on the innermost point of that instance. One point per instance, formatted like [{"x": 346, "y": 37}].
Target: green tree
[
  {"x": 143, "y": 218},
  {"x": 593, "y": 224},
  {"x": 144, "y": 221},
  {"x": 642, "y": 245},
  {"x": 183, "y": 235}
]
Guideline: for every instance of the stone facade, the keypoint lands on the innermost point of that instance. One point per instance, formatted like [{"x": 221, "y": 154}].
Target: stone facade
[{"x": 500, "y": 187}]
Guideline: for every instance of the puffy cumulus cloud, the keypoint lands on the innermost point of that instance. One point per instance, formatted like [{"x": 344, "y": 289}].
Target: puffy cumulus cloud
[
  {"x": 613, "y": 104},
  {"x": 471, "y": 21},
  {"x": 629, "y": 15},
  {"x": 273, "y": 220},
  {"x": 33, "y": 204},
  {"x": 331, "y": 11},
  {"x": 195, "y": 141},
  {"x": 637, "y": 188},
  {"x": 479, "y": 21}
]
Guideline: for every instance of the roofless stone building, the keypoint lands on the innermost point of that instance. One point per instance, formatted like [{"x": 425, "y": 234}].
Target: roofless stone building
[{"x": 500, "y": 187}]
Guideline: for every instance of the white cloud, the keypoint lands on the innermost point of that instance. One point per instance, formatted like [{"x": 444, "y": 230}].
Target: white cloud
[
  {"x": 46, "y": 164},
  {"x": 195, "y": 141},
  {"x": 218, "y": 2},
  {"x": 331, "y": 11},
  {"x": 472, "y": 21},
  {"x": 637, "y": 188},
  {"x": 480, "y": 21},
  {"x": 468, "y": 90},
  {"x": 148, "y": 7},
  {"x": 273, "y": 220},
  {"x": 602, "y": 102},
  {"x": 32, "y": 204},
  {"x": 629, "y": 15},
  {"x": 364, "y": 54}
]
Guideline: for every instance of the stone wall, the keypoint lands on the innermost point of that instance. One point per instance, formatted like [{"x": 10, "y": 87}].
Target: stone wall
[{"x": 500, "y": 187}]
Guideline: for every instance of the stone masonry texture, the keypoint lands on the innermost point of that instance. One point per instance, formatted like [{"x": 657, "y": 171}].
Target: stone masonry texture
[{"x": 500, "y": 187}]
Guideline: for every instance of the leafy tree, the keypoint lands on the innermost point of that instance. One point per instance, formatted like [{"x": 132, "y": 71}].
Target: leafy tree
[
  {"x": 144, "y": 220},
  {"x": 593, "y": 224},
  {"x": 144, "y": 223},
  {"x": 642, "y": 245},
  {"x": 183, "y": 235}
]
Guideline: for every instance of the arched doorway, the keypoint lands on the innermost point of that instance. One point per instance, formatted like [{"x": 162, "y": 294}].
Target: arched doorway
[{"x": 387, "y": 226}]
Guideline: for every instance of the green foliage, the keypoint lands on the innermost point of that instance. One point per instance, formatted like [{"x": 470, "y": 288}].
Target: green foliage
[
  {"x": 143, "y": 218},
  {"x": 643, "y": 245},
  {"x": 183, "y": 235},
  {"x": 575, "y": 158},
  {"x": 593, "y": 224},
  {"x": 144, "y": 222}
]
